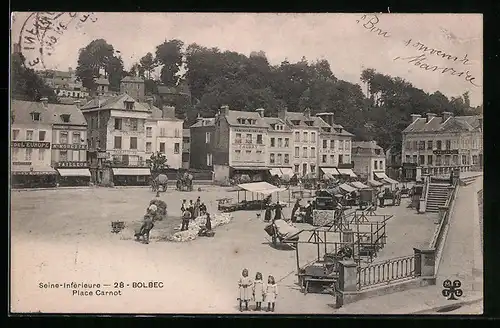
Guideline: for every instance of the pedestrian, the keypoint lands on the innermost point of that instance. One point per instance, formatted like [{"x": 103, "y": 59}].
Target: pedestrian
[
  {"x": 381, "y": 198},
  {"x": 203, "y": 209},
  {"x": 268, "y": 213},
  {"x": 258, "y": 291},
  {"x": 191, "y": 208},
  {"x": 244, "y": 284},
  {"x": 183, "y": 206},
  {"x": 208, "y": 224},
  {"x": 277, "y": 212},
  {"x": 145, "y": 229},
  {"x": 186, "y": 216},
  {"x": 197, "y": 208},
  {"x": 296, "y": 207},
  {"x": 271, "y": 293}
]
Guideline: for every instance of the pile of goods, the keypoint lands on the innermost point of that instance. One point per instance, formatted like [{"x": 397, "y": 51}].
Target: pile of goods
[
  {"x": 322, "y": 217},
  {"x": 197, "y": 224}
]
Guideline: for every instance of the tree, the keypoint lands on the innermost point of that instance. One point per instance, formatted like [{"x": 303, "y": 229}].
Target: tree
[
  {"x": 148, "y": 64},
  {"x": 169, "y": 54},
  {"x": 114, "y": 69},
  {"x": 158, "y": 162},
  {"x": 137, "y": 70}
]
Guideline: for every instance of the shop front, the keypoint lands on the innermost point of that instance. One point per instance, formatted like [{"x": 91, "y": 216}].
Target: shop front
[
  {"x": 28, "y": 176},
  {"x": 253, "y": 174},
  {"x": 72, "y": 174},
  {"x": 409, "y": 172},
  {"x": 131, "y": 176},
  {"x": 346, "y": 171}
]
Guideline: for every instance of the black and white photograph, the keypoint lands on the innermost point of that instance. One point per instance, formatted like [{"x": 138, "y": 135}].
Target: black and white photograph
[{"x": 257, "y": 164}]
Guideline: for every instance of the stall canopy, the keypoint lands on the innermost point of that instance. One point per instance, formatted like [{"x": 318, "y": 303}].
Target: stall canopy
[
  {"x": 347, "y": 188},
  {"x": 384, "y": 177},
  {"x": 348, "y": 172},
  {"x": 374, "y": 183},
  {"x": 359, "y": 185},
  {"x": 275, "y": 171},
  {"x": 330, "y": 170},
  {"x": 80, "y": 172},
  {"x": 131, "y": 171},
  {"x": 260, "y": 188}
]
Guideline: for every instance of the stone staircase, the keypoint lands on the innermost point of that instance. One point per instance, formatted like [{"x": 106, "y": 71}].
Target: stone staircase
[
  {"x": 469, "y": 178},
  {"x": 437, "y": 196}
]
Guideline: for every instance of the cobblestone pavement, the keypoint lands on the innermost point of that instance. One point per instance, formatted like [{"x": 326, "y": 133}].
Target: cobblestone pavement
[{"x": 64, "y": 236}]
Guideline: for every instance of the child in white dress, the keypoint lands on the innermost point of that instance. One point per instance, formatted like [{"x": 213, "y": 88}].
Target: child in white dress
[
  {"x": 258, "y": 291},
  {"x": 245, "y": 283},
  {"x": 271, "y": 293}
]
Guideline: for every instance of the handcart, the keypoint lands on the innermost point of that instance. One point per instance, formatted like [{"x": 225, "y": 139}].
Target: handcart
[{"x": 280, "y": 230}]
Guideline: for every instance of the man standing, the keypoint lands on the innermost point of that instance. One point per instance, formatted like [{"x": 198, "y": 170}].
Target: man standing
[
  {"x": 295, "y": 208},
  {"x": 186, "y": 216},
  {"x": 146, "y": 227}
]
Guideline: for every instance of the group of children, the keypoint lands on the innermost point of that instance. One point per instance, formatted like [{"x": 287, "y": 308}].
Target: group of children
[{"x": 256, "y": 290}]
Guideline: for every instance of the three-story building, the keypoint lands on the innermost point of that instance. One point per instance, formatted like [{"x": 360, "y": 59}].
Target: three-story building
[
  {"x": 202, "y": 143},
  {"x": 279, "y": 147}
]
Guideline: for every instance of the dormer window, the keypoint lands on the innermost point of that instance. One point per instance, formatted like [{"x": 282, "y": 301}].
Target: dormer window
[
  {"x": 326, "y": 129},
  {"x": 309, "y": 123},
  {"x": 35, "y": 116},
  {"x": 65, "y": 118},
  {"x": 129, "y": 105},
  {"x": 295, "y": 122}
]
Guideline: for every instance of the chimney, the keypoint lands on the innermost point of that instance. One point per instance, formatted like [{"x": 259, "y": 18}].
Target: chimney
[
  {"x": 168, "y": 112},
  {"x": 307, "y": 112},
  {"x": 150, "y": 102},
  {"x": 260, "y": 111},
  {"x": 446, "y": 115},
  {"x": 415, "y": 117},
  {"x": 430, "y": 116},
  {"x": 199, "y": 118},
  {"x": 45, "y": 101},
  {"x": 282, "y": 113},
  {"x": 224, "y": 110}
]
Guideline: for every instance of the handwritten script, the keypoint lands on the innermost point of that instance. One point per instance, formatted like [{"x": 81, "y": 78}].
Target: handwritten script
[
  {"x": 370, "y": 23},
  {"x": 42, "y": 31}
]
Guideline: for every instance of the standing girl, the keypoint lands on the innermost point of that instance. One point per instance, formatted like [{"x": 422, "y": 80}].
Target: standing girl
[
  {"x": 271, "y": 293},
  {"x": 244, "y": 284},
  {"x": 258, "y": 291}
]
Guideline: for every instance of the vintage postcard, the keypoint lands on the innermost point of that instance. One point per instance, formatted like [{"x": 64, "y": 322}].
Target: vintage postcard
[{"x": 244, "y": 163}]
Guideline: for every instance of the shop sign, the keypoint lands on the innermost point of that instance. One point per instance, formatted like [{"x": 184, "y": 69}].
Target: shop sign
[
  {"x": 124, "y": 151},
  {"x": 30, "y": 144},
  {"x": 69, "y": 146},
  {"x": 21, "y": 163},
  {"x": 68, "y": 127},
  {"x": 446, "y": 152},
  {"x": 244, "y": 146},
  {"x": 33, "y": 173},
  {"x": 72, "y": 164},
  {"x": 102, "y": 155},
  {"x": 249, "y": 130}
]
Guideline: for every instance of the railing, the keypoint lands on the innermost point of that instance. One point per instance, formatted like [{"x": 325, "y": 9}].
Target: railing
[
  {"x": 386, "y": 272},
  {"x": 444, "y": 215}
]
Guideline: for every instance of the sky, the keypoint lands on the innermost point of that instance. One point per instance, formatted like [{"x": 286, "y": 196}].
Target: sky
[{"x": 345, "y": 40}]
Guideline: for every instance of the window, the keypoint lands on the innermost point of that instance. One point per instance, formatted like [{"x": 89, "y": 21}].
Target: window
[
  {"x": 408, "y": 145},
  {"x": 287, "y": 158},
  {"x": 313, "y": 152},
  {"x": 207, "y": 137},
  {"x": 313, "y": 168},
  {"x": 407, "y": 159},
  {"x": 177, "y": 148},
  {"x": 35, "y": 116},
  {"x": 249, "y": 138},
  {"x": 429, "y": 159},
  {"x": 280, "y": 158},
  {"x": 414, "y": 159},
  {"x": 76, "y": 155},
  {"x": 421, "y": 160},
  {"x": 296, "y": 168},
  {"x": 297, "y": 152},
  {"x": 304, "y": 169},
  {"x": 134, "y": 124},
  {"x": 381, "y": 165},
  {"x": 455, "y": 159},
  {"x": 325, "y": 144},
  {"x": 429, "y": 145},
  {"x": 29, "y": 135},
  {"x": 15, "y": 134},
  {"x": 63, "y": 155},
  {"x": 377, "y": 151},
  {"x": 129, "y": 105},
  {"x": 271, "y": 158},
  {"x": 162, "y": 132},
  {"x": 333, "y": 144},
  {"x": 118, "y": 123},
  {"x": 27, "y": 155},
  {"x": 348, "y": 145},
  {"x": 447, "y": 159},
  {"x": 238, "y": 138},
  {"x": 63, "y": 137},
  {"x": 76, "y": 137},
  {"x": 272, "y": 142},
  {"x": 177, "y": 133},
  {"x": 259, "y": 139},
  {"x": 438, "y": 160},
  {"x": 162, "y": 147},
  {"x": 323, "y": 159},
  {"x": 15, "y": 154},
  {"x": 474, "y": 160},
  {"x": 149, "y": 132},
  {"x": 280, "y": 143},
  {"x": 65, "y": 118},
  {"x": 332, "y": 159},
  {"x": 421, "y": 145},
  {"x": 133, "y": 142},
  {"x": 148, "y": 147},
  {"x": 118, "y": 142},
  {"x": 41, "y": 135},
  {"x": 375, "y": 165},
  {"x": 287, "y": 142},
  {"x": 439, "y": 145},
  {"x": 448, "y": 144},
  {"x": 313, "y": 136},
  {"x": 304, "y": 137},
  {"x": 304, "y": 152},
  {"x": 41, "y": 154},
  {"x": 341, "y": 159},
  {"x": 209, "y": 159},
  {"x": 297, "y": 136},
  {"x": 237, "y": 154},
  {"x": 464, "y": 159}
]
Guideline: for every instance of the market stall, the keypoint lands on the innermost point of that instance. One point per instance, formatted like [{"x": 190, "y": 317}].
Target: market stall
[{"x": 255, "y": 195}]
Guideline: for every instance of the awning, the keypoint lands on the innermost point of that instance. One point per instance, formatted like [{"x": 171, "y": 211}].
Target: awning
[
  {"x": 32, "y": 170},
  {"x": 287, "y": 171},
  {"x": 347, "y": 188},
  {"x": 131, "y": 171},
  {"x": 275, "y": 171},
  {"x": 348, "y": 172},
  {"x": 359, "y": 185},
  {"x": 77, "y": 172},
  {"x": 330, "y": 170},
  {"x": 249, "y": 168},
  {"x": 374, "y": 183},
  {"x": 260, "y": 187},
  {"x": 384, "y": 177}
]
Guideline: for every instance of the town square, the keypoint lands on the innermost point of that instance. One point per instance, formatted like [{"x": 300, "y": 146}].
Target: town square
[{"x": 204, "y": 176}]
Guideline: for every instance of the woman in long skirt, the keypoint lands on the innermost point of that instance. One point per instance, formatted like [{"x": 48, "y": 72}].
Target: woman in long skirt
[{"x": 245, "y": 285}]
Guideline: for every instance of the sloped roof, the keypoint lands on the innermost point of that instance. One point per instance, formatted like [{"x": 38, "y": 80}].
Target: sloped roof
[
  {"x": 204, "y": 122},
  {"x": 234, "y": 115},
  {"x": 102, "y": 81},
  {"x": 116, "y": 102},
  {"x": 271, "y": 121},
  {"x": 48, "y": 115},
  {"x": 365, "y": 145},
  {"x": 436, "y": 124},
  {"x": 135, "y": 79}
]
